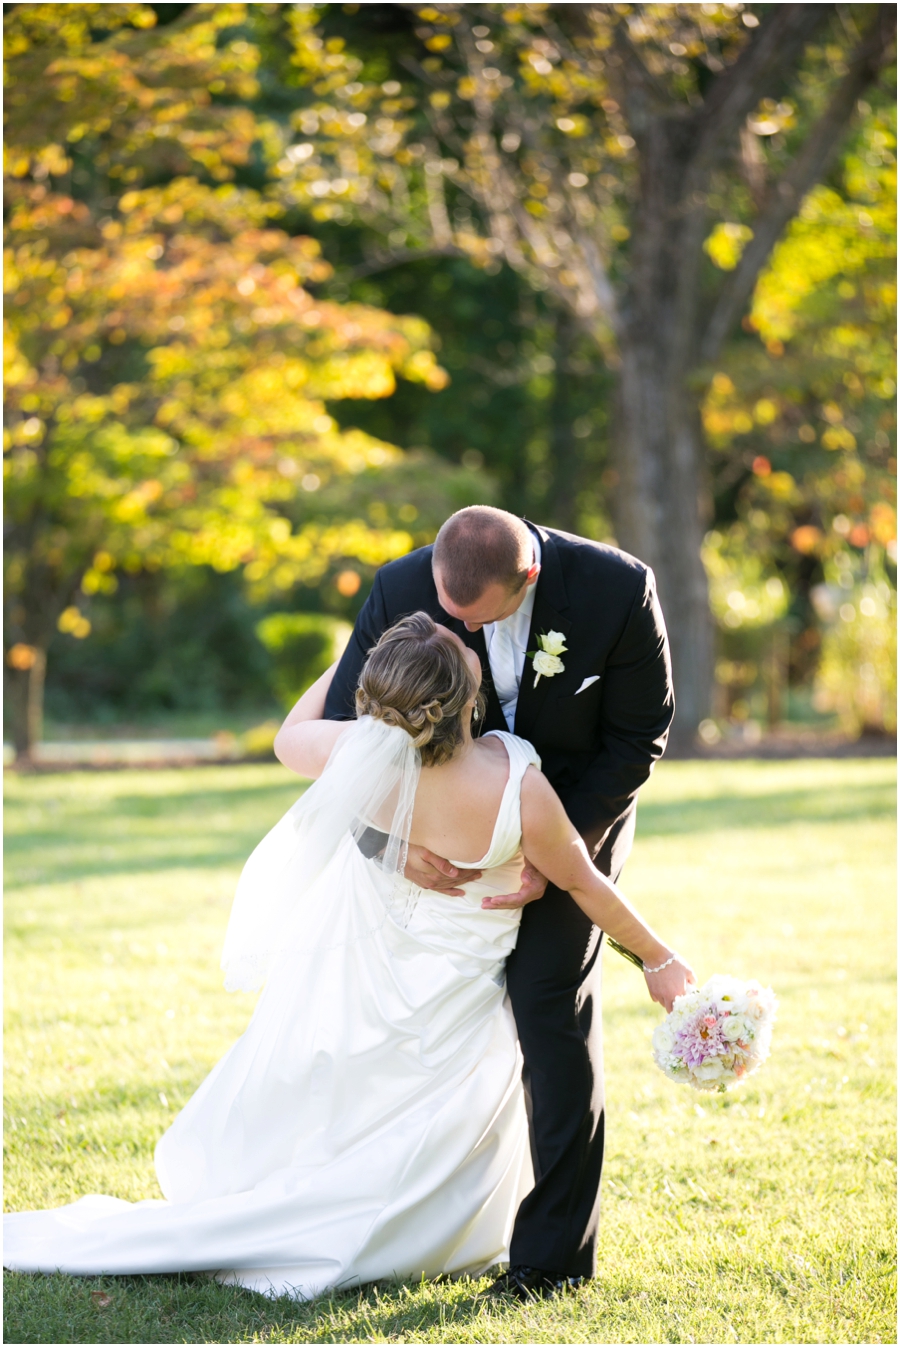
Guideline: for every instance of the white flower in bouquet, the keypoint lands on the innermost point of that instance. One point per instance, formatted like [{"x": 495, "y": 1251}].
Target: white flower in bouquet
[
  {"x": 733, "y": 1028},
  {"x": 717, "y": 1034}
]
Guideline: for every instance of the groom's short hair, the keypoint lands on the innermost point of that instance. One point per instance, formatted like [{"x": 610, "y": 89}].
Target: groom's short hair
[{"x": 481, "y": 546}]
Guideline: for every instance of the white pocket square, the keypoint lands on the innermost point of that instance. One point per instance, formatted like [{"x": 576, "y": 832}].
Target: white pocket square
[{"x": 587, "y": 683}]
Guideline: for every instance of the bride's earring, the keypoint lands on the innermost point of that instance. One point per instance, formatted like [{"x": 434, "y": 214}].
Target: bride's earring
[{"x": 475, "y": 714}]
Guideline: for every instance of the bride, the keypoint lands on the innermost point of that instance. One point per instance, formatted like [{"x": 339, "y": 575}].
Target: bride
[{"x": 370, "y": 1122}]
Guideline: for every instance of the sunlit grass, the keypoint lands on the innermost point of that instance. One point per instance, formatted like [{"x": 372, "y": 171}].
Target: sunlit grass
[{"x": 762, "y": 1216}]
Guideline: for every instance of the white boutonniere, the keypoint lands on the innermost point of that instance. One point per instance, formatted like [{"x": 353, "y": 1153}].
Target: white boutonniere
[{"x": 547, "y": 662}]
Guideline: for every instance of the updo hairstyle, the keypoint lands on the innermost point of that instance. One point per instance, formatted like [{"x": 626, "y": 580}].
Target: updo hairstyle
[{"x": 416, "y": 677}]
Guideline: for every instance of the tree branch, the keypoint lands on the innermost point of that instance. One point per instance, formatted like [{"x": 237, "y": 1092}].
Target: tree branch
[
  {"x": 416, "y": 69},
  {"x": 438, "y": 218},
  {"x": 777, "y": 44},
  {"x": 492, "y": 185},
  {"x": 637, "y": 90},
  {"x": 807, "y": 169},
  {"x": 753, "y": 166},
  {"x": 398, "y": 258}
]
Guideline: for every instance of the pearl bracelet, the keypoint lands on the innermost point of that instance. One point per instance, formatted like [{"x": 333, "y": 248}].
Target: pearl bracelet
[{"x": 661, "y": 966}]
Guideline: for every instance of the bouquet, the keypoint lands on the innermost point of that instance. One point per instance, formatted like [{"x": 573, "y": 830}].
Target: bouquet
[{"x": 716, "y": 1034}]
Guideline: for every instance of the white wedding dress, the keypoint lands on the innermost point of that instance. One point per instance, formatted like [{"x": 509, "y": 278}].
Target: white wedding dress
[{"x": 369, "y": 1123}]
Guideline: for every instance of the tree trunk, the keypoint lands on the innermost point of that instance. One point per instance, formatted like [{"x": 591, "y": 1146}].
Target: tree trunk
[
  {"x": 659, "y": 462},
  {"x": 658, "y": 441},
  {"x": 25, "y": 689},
  {"x": 565, "y": 455}
]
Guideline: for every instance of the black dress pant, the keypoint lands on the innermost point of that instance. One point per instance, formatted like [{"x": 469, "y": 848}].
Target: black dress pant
[
  {"x": 554, "y": 978},
  {"x": 554, "y": 982}
]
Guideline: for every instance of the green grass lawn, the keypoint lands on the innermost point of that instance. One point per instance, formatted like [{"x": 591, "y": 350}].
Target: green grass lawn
[{"x": 761, "y": 1216}]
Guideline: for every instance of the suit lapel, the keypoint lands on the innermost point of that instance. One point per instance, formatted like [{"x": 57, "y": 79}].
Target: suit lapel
[{"x": 550, "y": 603}]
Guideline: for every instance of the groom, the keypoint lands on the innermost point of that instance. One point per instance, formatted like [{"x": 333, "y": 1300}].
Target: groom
[{"x": 599, "y": 723}]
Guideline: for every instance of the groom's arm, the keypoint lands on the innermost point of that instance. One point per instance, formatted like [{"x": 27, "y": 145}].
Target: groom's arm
[
  {"x": 636, "y": 712},
  {"x": 370, "y": 625}
]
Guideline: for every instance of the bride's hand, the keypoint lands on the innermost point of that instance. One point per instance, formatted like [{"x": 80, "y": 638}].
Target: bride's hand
[
  {"x": 429, "y": 871},
  {"x": 669, "y": 983},
  {"x": 532, "y": 886}
]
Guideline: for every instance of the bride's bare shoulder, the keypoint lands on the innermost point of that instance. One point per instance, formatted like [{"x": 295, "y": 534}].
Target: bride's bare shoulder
[
  {"x": 493, "y": 744},
  {"x": 490, "y": 760}
]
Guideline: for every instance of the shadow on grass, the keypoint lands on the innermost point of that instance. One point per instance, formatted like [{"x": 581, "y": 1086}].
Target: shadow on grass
[
  {"x": 190, "y": 1307},
  {"x": 739, "y": 810},
  {"x": 67, "y": 868},
  {"x": 77, "y": 842}
]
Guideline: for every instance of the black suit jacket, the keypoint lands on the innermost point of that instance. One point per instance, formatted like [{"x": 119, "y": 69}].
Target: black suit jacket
[{"x": 598, "y": 746}]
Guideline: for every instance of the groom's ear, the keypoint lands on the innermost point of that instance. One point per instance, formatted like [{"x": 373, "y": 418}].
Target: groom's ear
[{"x": 533, "y": 572}]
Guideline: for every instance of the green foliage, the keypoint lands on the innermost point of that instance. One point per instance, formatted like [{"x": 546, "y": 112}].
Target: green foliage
[
  {"x": 505, "y": 134},
  {"x": 238, "y": 417},
  {"x": 166, "y": 643},
  {"x": 528, "y": 397},
  {"x": 726, "y": 244},
  {"x": 191, "y": 382},
  {"x": 167, "y": 364},
  {"x": 509, "y": 139},
  {"x": 408, "y": 498},
  {"x": 764, "y": 1215},
  {"x": 844, "y": 238},
  {"x": 809, "y": 422},
  {"x": 741, "y": 594},
  {"x": 302, "y": 646},
  {"x": 801, "y": 429},
  {"x": 528, "y": 393},
  {"x": 857, "y": 675}
]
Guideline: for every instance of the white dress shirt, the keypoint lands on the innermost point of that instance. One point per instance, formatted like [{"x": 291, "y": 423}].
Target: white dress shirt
[{"x": 507, "y": 642}]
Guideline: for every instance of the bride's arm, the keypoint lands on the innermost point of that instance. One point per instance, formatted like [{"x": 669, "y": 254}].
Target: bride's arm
[
  {"x": 305, "y": 740},
  {"x": 551, "y": 843}
]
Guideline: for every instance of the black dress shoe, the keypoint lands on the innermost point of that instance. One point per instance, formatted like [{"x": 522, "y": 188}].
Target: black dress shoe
[{"x": 531, "y": 1283}]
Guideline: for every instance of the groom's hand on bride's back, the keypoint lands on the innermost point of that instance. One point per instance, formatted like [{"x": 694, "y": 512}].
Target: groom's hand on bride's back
[
  {"x": 532, "y": 886},
  {"x": 429, "y": 871}
]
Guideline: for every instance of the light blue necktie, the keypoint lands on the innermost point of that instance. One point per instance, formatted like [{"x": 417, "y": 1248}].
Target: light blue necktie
[{"x": 503, "y": 670}]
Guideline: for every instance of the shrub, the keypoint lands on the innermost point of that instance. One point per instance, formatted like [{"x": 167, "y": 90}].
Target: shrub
[
  {"x": 858, "y": 672},
  {"x": 302, "y": 646}
]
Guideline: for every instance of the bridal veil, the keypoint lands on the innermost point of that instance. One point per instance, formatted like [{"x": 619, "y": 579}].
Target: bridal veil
[{"x": 369, "y": 783}]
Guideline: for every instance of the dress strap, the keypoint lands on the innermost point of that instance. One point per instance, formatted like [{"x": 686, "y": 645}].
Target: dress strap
[{"x": 522, "y": 754}]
